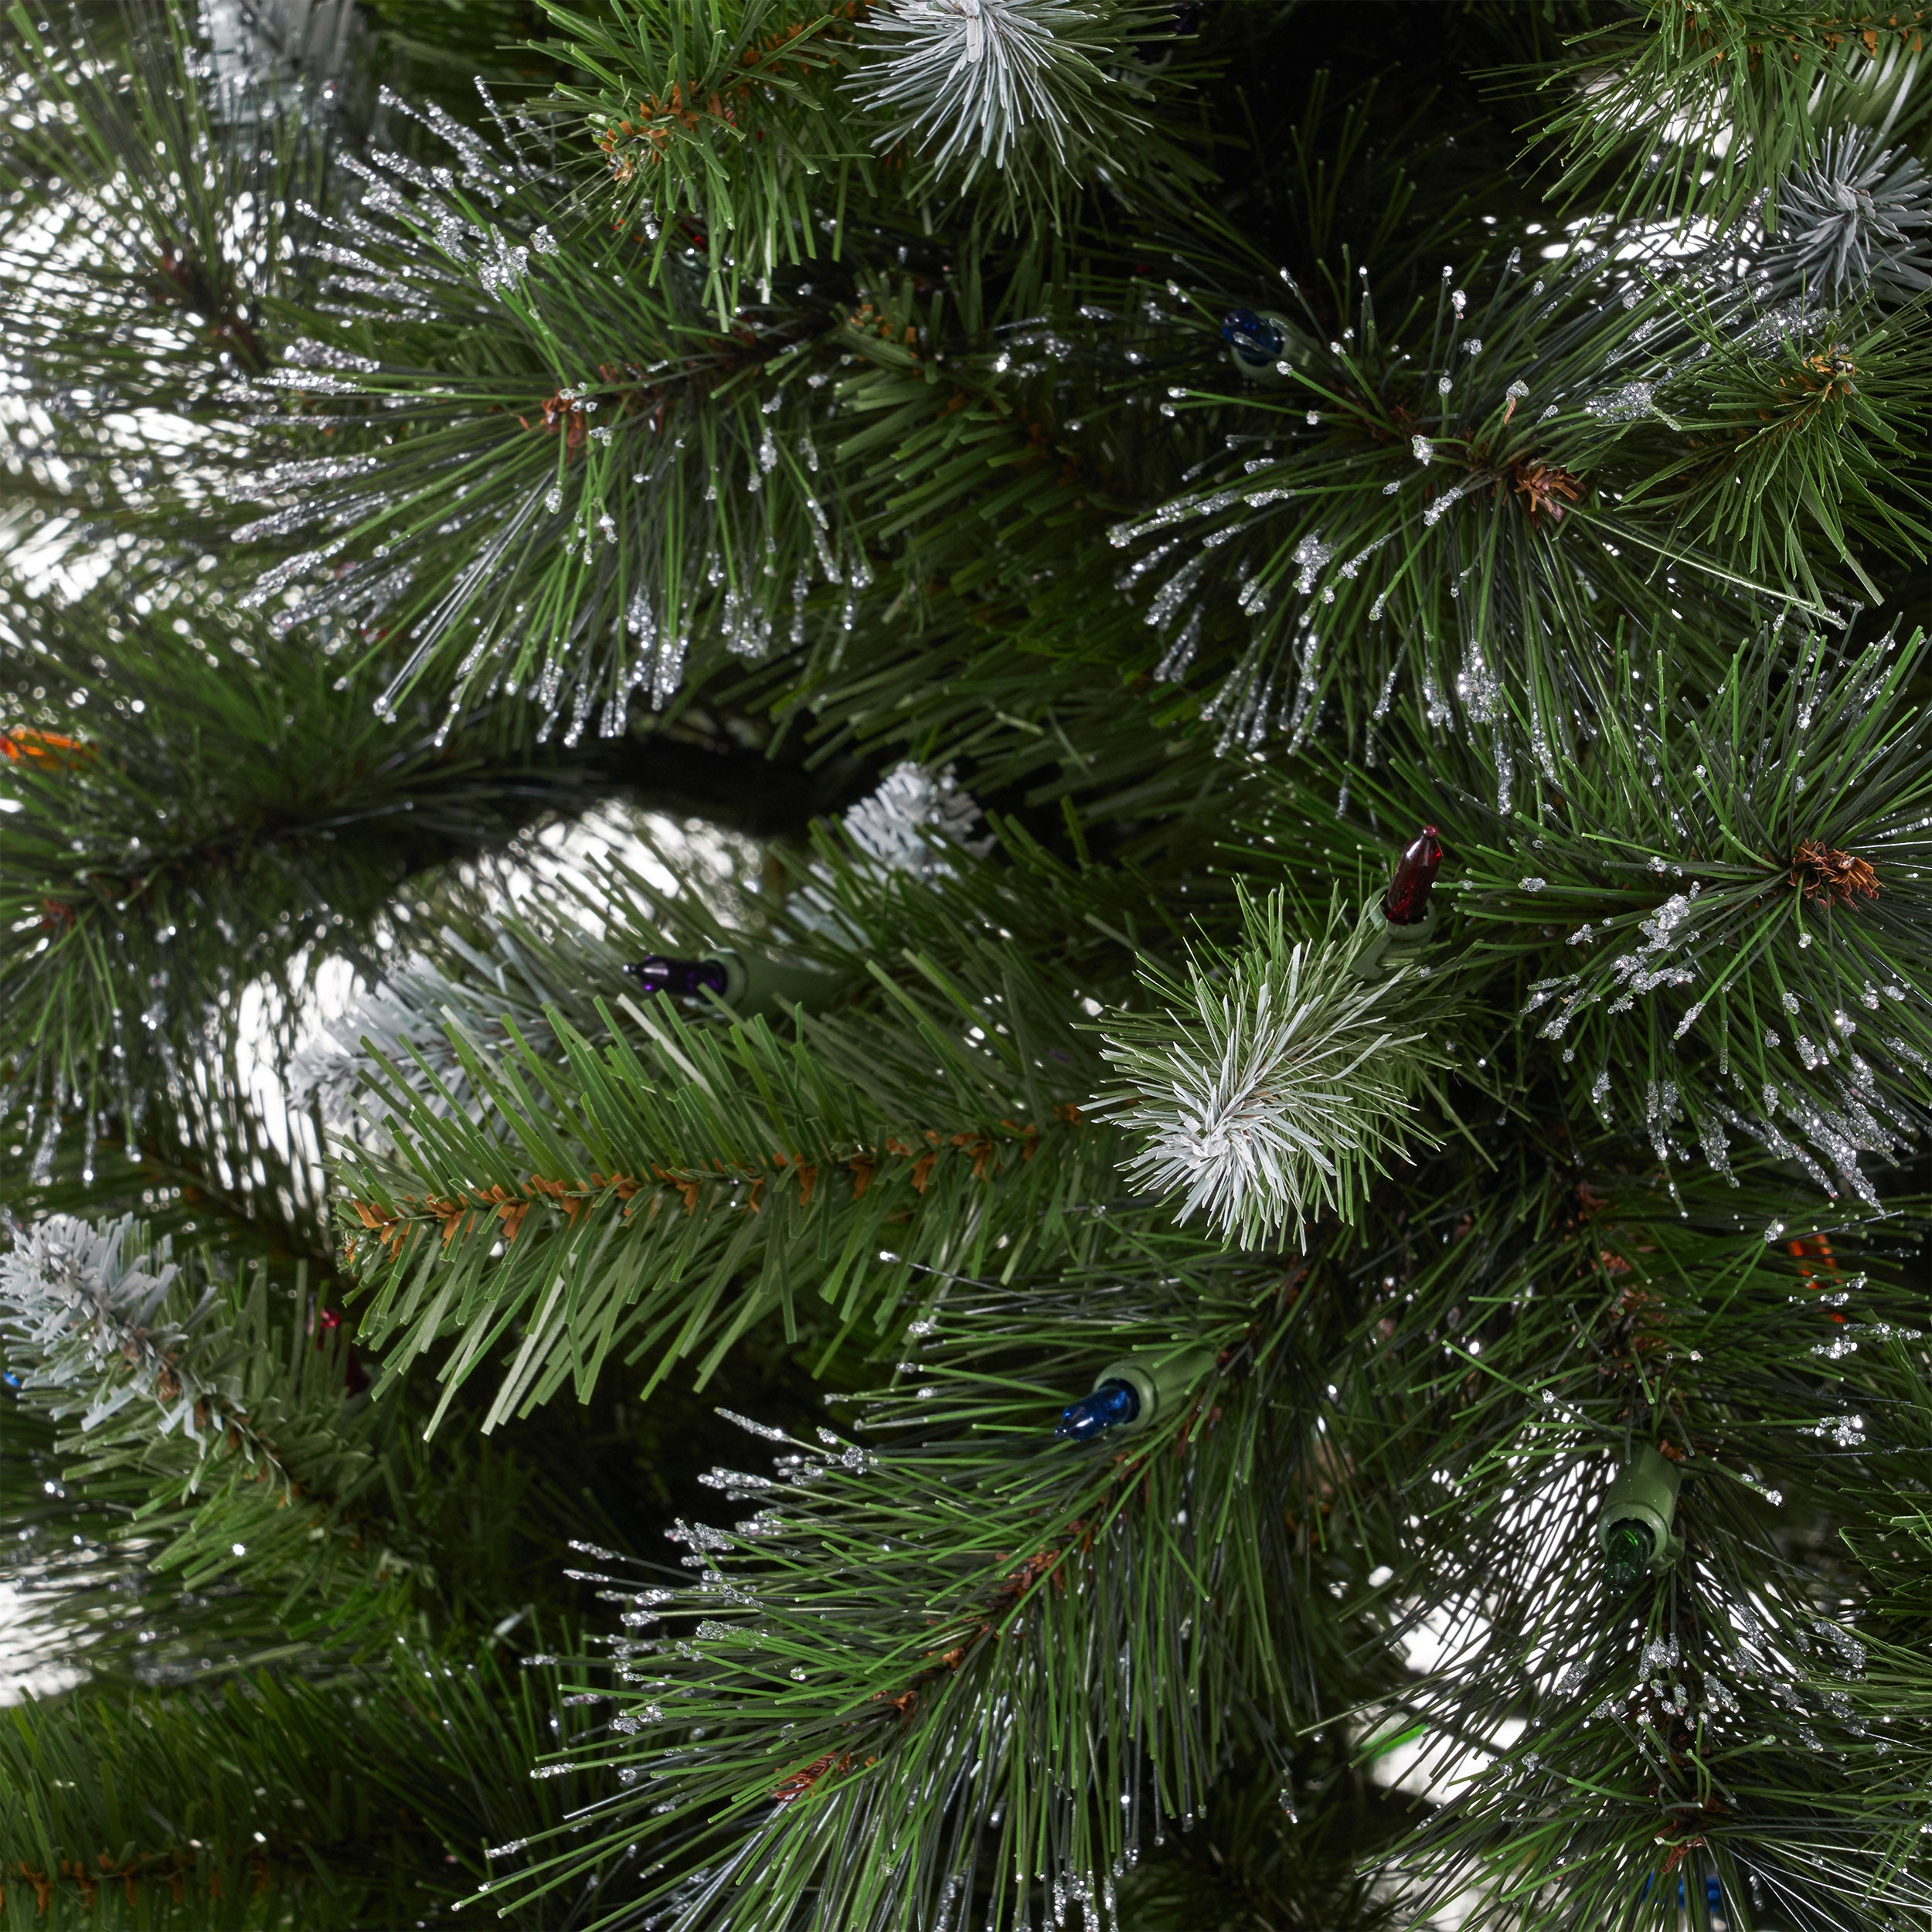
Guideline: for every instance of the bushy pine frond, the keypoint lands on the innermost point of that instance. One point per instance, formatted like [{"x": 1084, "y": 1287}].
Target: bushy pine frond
[
  {"x": 221, "y": 814},
  {"x": 1048, "y": 84},
  {"x": 1561, "y": 1327},
  {"x": 135, "y": 296},
  {"x": 1679, "y": 112},
  {"x": 1789, "y": 443},
  {"x": 945, "y": 1641},
  {"x": 659, "y": 1187},
  {"x": 270, "y": 1801},
  {"x": 727, "y": 116},
  {"x": 1447, "y": 526},
  {"x": 1708, "y": 925},
  {"x": 636, "y": 480},
  {"x": 1747, "y": 957},
  {"x": 221, "y": 1425},
  {"x": 739, "y": 122}
]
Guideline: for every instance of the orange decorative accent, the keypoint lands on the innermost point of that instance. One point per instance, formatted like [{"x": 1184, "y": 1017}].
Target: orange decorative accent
[
  {"x": 788, "y": 1790},
  {"x": 42, "y": 747},
  {"x": 1823, "y": 872},
  {"x": 1546, "y": 487}
]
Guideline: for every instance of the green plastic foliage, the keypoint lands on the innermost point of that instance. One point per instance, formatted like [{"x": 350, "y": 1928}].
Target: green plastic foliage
[
  {"x": 662, "y": 1194},
  {"x": 949, "y": 1657},
  {"x": 1434, "y": 505},
  {"x": 631, "y": 478},
  {"x": 1552, "y": 1329},
  {"x": 724, "y": 117},
  {"x": 647, "y": 494},
  {"x": 272, "y": 1801},
  {"x": 128, "y": 272},
  {"x": 557, "y": 471},
  {"x": 1693, "y": 110},
  {"x": 656, "y": 1187},
  {"x": 209, "y": 1412},
  {"x": 765, "y": 130},
  {"x": 206, "y": 820},
  {"x": 1742, "y": 875},
  {"x": 1786, "y": 434}
]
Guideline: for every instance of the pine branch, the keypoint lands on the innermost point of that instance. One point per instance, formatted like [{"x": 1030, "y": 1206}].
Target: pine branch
[
  {"x": 500, "y": 358},
  {"x": 223, "y": 1494},
  {"x": 635, "y": 1187},
  {"x": 882, "y": 1662},
  {"x": 133, "y": 294},
  {"x": 223, "y": 1428},
  {"x": 1761, "y": 882},
  {"x": 1468, "y": 494},
  {"x": 1786, "y": 434},
  {"x": 1564, "y": 1332},
  {"x": 1041, "y": 90},
  {"x": 668, "y": 1181},
  {"x": 579, "y": 530},
  {"x": 223, "y": 813},
  {"x": 271, "y": 1800},
  {"x": 727, "y": 118},
  {"x": 754, "y": 123},
  {"x": 1665, "y": 81}
]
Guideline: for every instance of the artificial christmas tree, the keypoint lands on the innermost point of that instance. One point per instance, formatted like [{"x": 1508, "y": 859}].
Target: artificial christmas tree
[{"x": 1097, "y": 830}]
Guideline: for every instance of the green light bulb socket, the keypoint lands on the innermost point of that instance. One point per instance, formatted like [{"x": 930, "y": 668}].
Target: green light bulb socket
[
  {"x": 755, "y": 984},
  {"x": 1382, "y": 948},
  {"x": 1162, "y": 1378},
  {"x": 1634, "y": 1526}
]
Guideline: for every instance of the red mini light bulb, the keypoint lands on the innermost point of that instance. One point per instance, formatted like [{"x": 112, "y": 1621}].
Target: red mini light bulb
[{"x": 1406, "y": 901}]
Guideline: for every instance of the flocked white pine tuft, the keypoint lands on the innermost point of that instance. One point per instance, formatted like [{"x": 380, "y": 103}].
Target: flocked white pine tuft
[
  {"x": 90, "y": 1324},
  {"x": 398, "y": 1029},
  {"x": 1267, "y": 1087},
  {"x": 914, "y": 805},
  {"x": 966, "y": 80},
  {"x": 1849, "y": 223},
  {"x": 331, "y": 1071}
]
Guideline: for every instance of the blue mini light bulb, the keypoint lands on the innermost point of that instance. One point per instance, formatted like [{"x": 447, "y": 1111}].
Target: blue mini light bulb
[
  {"x": 658, "y": 973},
  {"x": 1251, "y": 337},
  {"x": 1110, "y": 1406}
]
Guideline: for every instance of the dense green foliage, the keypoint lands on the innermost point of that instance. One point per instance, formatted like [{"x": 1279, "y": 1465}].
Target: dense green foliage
[{"x": 979, "y": 533}]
